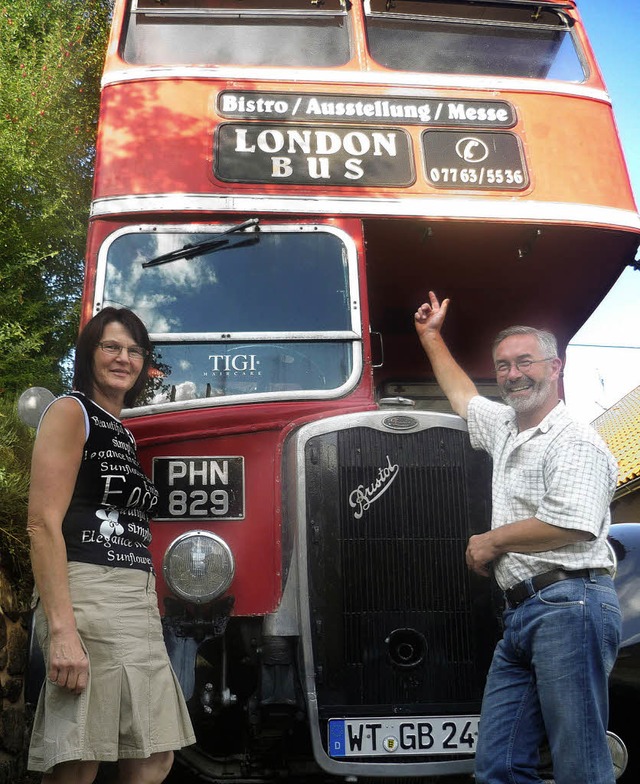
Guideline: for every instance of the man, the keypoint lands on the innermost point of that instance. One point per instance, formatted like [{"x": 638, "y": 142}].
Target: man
[{"x": 553, "y": 479}]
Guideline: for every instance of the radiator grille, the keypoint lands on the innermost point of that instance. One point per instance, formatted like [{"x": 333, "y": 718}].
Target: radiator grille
[{"x": 398, "y": 569}]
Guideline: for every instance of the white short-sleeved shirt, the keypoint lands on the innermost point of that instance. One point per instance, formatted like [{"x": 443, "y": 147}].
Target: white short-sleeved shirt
[{"x": 560, "y": 472}]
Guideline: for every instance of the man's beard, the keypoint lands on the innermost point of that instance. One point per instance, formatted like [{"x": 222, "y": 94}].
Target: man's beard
[{"x": 523, "y": 405}]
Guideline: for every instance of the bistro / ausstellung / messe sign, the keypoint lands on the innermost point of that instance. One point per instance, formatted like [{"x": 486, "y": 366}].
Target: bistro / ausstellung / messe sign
[{"x": 312, "y": 107}]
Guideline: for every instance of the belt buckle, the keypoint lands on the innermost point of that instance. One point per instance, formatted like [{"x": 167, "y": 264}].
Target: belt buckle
[{"x": 517, "y": 594}]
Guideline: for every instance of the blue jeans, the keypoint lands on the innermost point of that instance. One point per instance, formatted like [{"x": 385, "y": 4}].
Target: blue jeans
[{"x": 548, "y": 678}]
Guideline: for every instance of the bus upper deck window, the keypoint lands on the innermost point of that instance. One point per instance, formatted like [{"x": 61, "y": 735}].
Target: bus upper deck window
[
  {"x": 479, "y": 38},
  {"x": 292, "y": 33}
]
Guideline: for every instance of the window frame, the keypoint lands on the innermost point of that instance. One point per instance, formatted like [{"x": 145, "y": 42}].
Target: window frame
[
  {"x": 567, "y": 25},
  {"x": 131, "y": 38},
  {"x": 313, "y": 10},
  {"x": 353, "y": 336}
]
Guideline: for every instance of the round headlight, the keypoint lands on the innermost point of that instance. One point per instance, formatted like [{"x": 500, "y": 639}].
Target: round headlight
[{"x": 198, "y": 566}]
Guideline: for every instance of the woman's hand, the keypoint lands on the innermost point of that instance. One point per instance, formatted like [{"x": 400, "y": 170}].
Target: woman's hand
[{"x": 68, "y": 663}]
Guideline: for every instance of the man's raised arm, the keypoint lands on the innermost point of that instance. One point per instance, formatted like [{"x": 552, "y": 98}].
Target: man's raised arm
[{"x": 453, "y": 381}]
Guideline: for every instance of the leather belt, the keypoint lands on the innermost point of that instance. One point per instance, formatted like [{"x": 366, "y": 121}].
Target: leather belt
[{"x": 527, "y": 588}]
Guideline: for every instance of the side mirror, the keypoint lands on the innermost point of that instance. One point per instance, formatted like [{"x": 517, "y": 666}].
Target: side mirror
[{"x": 32, "y": 403}]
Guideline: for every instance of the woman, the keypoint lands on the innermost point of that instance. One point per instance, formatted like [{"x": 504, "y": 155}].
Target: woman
[{"x": 110, "y": 693}]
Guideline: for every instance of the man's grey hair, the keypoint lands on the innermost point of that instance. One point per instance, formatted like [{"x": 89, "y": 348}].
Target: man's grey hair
[{"x": 546, "y": 340}]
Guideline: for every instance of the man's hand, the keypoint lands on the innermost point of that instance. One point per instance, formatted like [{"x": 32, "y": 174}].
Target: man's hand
[
  {"x": 430, "y": 315},
  {"x": 68, "y": 663},
  {"x": 481, "y": 551},
  {"x": 523, "y": 536}
]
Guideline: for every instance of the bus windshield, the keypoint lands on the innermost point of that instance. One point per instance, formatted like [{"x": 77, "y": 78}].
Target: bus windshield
[
  {"x": 431, "y": 36},
  {"x": 270, "y": 312}
]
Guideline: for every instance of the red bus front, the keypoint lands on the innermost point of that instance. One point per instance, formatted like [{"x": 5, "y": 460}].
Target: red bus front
[{"x": 277, "y": 187}]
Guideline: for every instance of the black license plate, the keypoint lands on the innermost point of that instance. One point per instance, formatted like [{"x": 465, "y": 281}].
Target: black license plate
[{"x": 199, "y": 488}]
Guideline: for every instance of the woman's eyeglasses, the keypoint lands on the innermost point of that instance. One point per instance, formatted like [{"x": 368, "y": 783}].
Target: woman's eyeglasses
[{"x": 115, "y": 349}]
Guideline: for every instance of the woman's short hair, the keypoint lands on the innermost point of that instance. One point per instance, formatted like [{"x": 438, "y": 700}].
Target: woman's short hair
[
  {"x": 89, "y": 338},
  {"x": 546, "y": 340}
]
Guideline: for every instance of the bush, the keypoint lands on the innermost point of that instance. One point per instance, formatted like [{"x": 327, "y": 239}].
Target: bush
[{"x": 16, "y": 442}]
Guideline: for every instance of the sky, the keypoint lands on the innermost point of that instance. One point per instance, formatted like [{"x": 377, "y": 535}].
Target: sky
[{"x": 596, "y": 378}]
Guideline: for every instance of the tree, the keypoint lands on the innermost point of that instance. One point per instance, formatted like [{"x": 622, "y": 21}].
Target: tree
[
  {"x": 15, "y": 453},
  {"x": 51, "y": 54}
]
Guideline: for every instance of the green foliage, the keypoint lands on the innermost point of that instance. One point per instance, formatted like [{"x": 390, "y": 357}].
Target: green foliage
[
  {"x": 16, "y": 441},
  {"x": 51, "y": 54}
]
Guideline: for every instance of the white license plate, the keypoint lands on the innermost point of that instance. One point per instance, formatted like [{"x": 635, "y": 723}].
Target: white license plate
[{"x": 379, "y": 737}]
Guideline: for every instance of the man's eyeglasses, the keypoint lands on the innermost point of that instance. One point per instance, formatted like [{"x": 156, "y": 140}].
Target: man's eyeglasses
[
  {"x": 502, "y": 368},
  {"x": 115, "y": 349}
]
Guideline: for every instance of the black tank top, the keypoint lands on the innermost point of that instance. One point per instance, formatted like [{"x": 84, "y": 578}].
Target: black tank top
[{"x": 107, "y": 522}]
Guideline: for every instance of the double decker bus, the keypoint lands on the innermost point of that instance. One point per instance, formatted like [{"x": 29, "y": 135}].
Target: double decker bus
[{"x": 277, "y": 187}]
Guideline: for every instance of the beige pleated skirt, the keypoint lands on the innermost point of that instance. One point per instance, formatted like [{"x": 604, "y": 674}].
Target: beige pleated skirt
[{"x": 133, "y": 705}]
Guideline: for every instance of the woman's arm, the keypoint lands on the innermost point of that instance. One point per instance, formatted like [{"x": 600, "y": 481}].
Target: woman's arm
[{"x": 57, "y": 455}]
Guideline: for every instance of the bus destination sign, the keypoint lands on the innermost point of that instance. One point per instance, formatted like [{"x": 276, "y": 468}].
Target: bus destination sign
[
  {"x": 313, "y": 155},
  {"x": 370, "y": 110},
  {"x": 199, "y": 488},
  {"x": 486, "y": 160}
]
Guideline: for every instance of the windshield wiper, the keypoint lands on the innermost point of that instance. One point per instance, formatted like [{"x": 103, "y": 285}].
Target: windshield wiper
[{"x": 188, "y": 251}]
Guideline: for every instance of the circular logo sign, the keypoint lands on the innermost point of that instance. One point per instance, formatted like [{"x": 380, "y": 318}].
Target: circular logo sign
[{"x": 472, "y": 150}]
